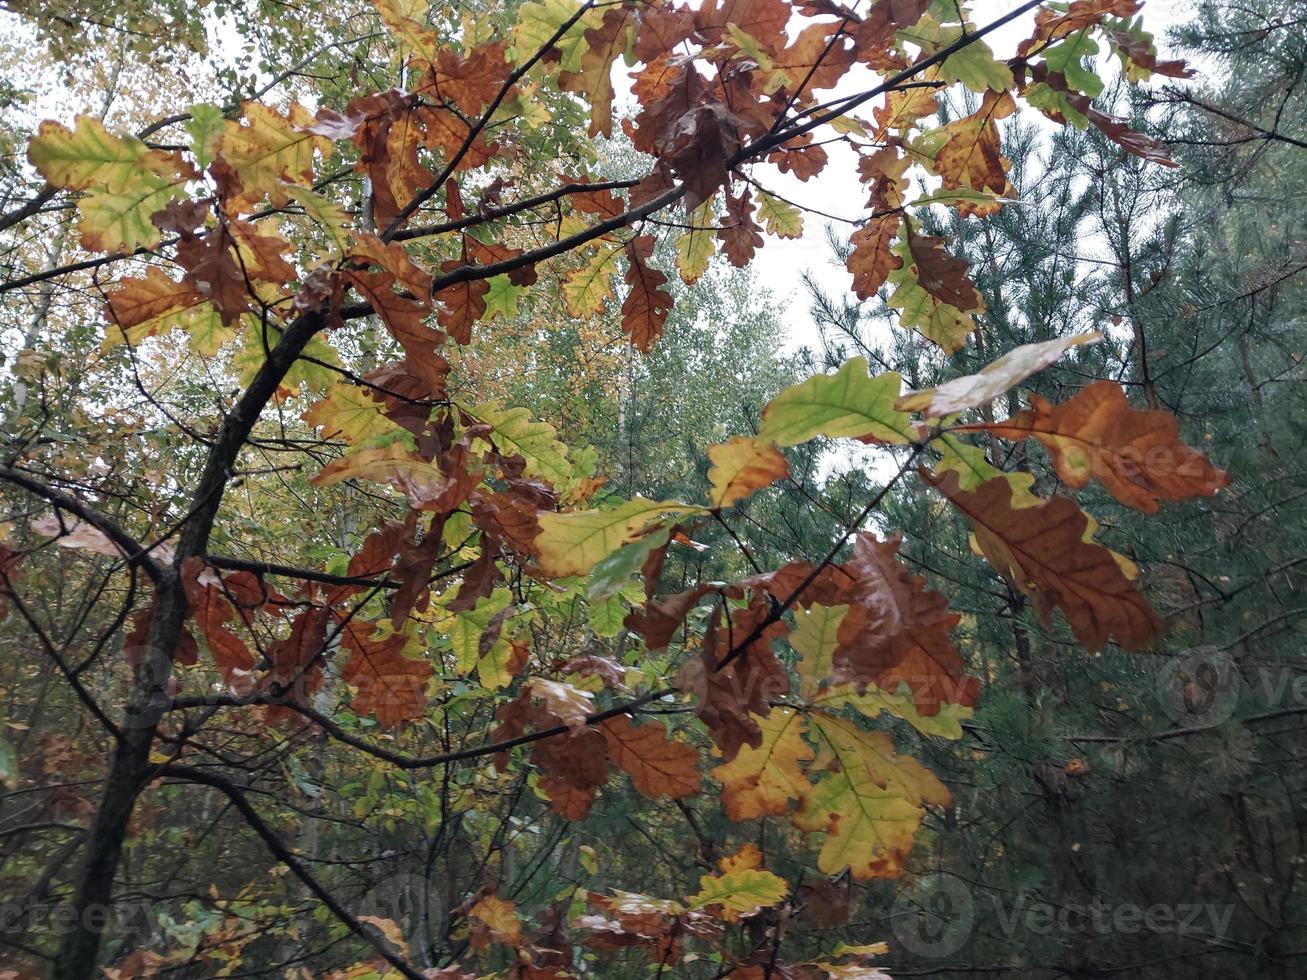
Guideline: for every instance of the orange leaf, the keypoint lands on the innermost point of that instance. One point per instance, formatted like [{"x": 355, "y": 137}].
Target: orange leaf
[
  {"x": 388, "y": 684},
  {"x": 658, "y": 765},
  {"x": 568, "y": 802},
  {"x": 212, "y": 612},
  {"x": 1136, "y": 453},
  {"x": 470, "y": 81},
  {"x": 1042, "y": 551},
  {"x": 740, "y": 234},
  {"x": 645, "y": 309},
  {"x": 871, "y": 260},
  {"x": 462, "y": 304}
]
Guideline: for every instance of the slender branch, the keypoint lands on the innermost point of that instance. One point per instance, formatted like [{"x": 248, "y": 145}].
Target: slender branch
[
  {"x": 507, "y": 210},
  {"x": 1266, "y": 134},
  {"x": 400, "y": 760},
  {"x": 133, "y": 551},
  {"x": 475, "y": 130},
  {"x": 283, "y": 854}
]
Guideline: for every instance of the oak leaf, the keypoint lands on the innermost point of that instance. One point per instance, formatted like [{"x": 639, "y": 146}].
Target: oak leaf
[
  {"x": 872, "y": 259},
  {"x": 897, "y": 632},
  {"x": 645, "y": 309},
  {"x": 126, "y": 182},
  {"x": 593, "y": 81},
  {"x": 268, "y": 149},
  {"x": 295, "y": 669},
  {"x": 740, "y": 466},
  {"x": 767, "y": 779},
  {"x": 494, "y": 920},
  {"x": 351, "y": 412},
  {"x": 938, "y": 321},
  {"x": 868, "y": 800},
  {"x": 978, "y": 390},
  {"x": 461, "y": 304},
  {"x": 740, "y": 234},
  {"x": 739, "y": 892},
  {"x": 1136, "y": 453},
  {"x": 570, "y": 705},
  {"x": 212, "y": 613},
  {"x": 388, "y": 684},
  {"x": 1043, "y": 552},
  {"x": 941, "y": 274},
  {"x": 569, "y": 802},
  {"x": 694, "y": 247},
  {"x": 780, "y": 218},
  {"x": 571, "y": 543},
  {"x": 658, "y": 765},
  {"x": 971, "y": 158},
  {"x": 847, "y": 403}
]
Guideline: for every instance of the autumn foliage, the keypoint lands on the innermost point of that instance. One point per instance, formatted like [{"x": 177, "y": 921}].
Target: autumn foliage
[{"x": 238, "y": 243}]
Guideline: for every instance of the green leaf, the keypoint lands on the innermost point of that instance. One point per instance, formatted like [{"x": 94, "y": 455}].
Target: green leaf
[
  {"x": 126, "y": 182},
  {"x": 465, "y": 632},
  {"x": 572, "y": 543},
  {"x": 613, "y": 572},
  {"x": 205, "y": 128},
  {"x": 780, "y": 219},
  {"x": 502, "y": 298},
  {"x": 847, "y": 403},
  {"x": 1068, "y": 57},
  {"x": 608, "y": 618},
  {"x": 976, "y": 67},
  {"x": 589, "y": 287},
  {"x": 514, "y": 433},
  {"x": 868, "y": 799}
]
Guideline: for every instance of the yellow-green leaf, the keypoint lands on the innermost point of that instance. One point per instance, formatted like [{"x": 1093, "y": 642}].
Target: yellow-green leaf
[
  {"x": 740, "y": 466},
  {"x": 326, "y": 213},
  {"x": 571, "y": 543},
  {"x": 588, "y": 287},
  {"x": 126, "y": 182},
  {"x": 769, "y": 779},
  {"x": 937, "y": 321},
  {"x": 536, "y": 442},
  {"x": 780, "y": 218},
  {"x": 868, "y": 800},
  {"x": 847, "y": 403},
  {"x": 350, "y": 412},
  {"x": 467, "y": 627},
  {"x": 268, "y": 150},
  {"x": 539, "y": 20},
  {"x": 740, "y": 892},
  {"x": 694, "y": 249}
]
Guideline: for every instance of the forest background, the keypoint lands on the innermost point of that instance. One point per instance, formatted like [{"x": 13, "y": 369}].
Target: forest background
[{"x": 430, "y": 548}]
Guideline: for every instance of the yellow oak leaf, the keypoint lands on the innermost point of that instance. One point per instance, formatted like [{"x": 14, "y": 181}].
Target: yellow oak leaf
[{"x": 740, "y": 466}]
